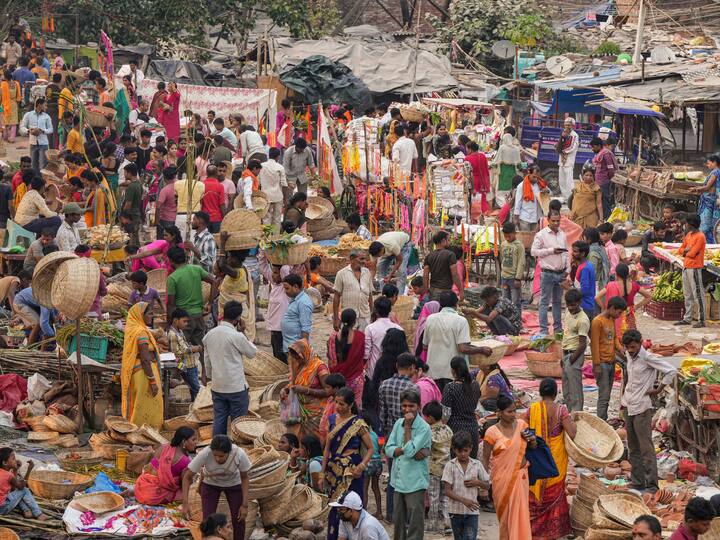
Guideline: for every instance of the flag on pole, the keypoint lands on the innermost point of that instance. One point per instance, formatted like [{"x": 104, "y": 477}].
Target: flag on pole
[
  {"x": 326, "y": 154},
  {"x": 308, "y": 119}
]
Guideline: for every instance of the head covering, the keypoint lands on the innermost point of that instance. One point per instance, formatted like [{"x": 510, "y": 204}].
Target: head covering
[
  {"x": 135, "y": 328},
  {"x": 508, "y": 153},
  {"x": 302, "y": 348},
  {"x": 72, "y": 208},
  {"x": 351, "y": 500},
  {"x": 427, "y": 310}
]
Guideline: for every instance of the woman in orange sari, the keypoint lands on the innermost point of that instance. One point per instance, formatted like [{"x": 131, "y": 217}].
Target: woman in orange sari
[
  {"x": 160, "y": 482},
  {"x": 10, "y": 97},
  {"x": 549, "y": 510},
  {"x": 504, "y": 454},
  {"x": 96, "y": 206},
  {"x": 307, "y": 378}
]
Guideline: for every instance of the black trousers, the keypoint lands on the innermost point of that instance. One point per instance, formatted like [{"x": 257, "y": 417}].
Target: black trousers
[{"x": 276, "y": 342}]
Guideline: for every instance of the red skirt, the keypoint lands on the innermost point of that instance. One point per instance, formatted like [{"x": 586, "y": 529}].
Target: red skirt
[{"x": 550, "y": 518}]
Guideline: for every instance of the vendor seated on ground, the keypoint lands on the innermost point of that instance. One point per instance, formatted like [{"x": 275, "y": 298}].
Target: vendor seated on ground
[
  {"x": 500, "y": 314},
  {"x": 356, "y": 227},
  {"x": 14, "y": 494},
  {"x": 216, "y": 527},
  {"x": 161, "y": 479},
  {"x": 699, "y": 514}
]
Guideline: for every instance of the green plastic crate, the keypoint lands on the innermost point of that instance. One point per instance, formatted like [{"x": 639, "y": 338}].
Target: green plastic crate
[{"x": 91, "y": 346}]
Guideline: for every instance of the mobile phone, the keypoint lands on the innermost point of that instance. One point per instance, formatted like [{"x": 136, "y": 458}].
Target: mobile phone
[{"x": 562, "y": 249}]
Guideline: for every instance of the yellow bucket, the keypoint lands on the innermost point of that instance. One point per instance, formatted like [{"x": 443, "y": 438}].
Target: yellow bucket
[{"x": 121, "y": 460}]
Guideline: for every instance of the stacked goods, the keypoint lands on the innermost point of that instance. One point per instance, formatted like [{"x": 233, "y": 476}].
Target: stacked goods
[
  {"x": 320, "y": 219},
  {"x": 122, "y": 435},
  {"x": 264, "y": 369},
  {"x": 667, "y": 302},
  {"x": 613, "y": 516},
  {"x": 581, "y": 512},
  {"x": 669, "y": 507},
  {"x": 596, "y": 444},
  {"x": 244, "y": 430},
  {"x": 100, "y": 236},
  {"x": 115, "y": 302},
  {"x": 55, "y": 430},
  {"x": 351, "y": 241}
]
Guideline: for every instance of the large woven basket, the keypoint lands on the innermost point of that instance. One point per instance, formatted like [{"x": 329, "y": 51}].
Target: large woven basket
[
  {"x": 76, "y": 459},
  {"x": 597, "y": 434},
  {"x": 714, "y": 532},
  {"x": 240, "y": 240},
  {"x": 317, "y": 509},
  {"x": 157, "y": 279},
  {"x": 251, "y": 519},
  {"x": 274, "y": 430},
  {"x": 623, "y": 508},
  {"x": 314, "y": 225},
  {"x": 99, "y": 502},
  {"x": 330, "y": 266},
  {"x": 301, "y": 501},
  {"x": 326, "y": 234},
  {"x": 175, "y": 423},
  {"x": 595, "y": 533},
  {"x": 241, "y": 220},
  {"x": 75, "y": 286},
  {"x": 42, "y": 436},
  {"x": 246, "y": 429},
  {"x": 291, "y": 254},
  {"x": 259, "y": 201},
  {"x": 58, "y": 484},
  {"x": 36, "y": 423},
  {"x": 545, "y": 369},
  {"x": 43, "y": 276},
  {"x": 403, "y": 308},
  {"x": 411, "y": 114},
  {"x": 601, "y": 521},
  {"x": 324, "y": 206},
  {"x": 60, "y": 423},
  {"x": 552, "y": 354},
  {"x": 272, "y": 509},
  {"x": 99, "y": 116},
  {"x": 119, "y": 424},
  {"x": 265, "y": 364},
  {"x": 409, "y": 328},
  {"x": 498, "y": 351},
  {"x": 8, "y": 534},
  {"x": 270, "y": 484}
]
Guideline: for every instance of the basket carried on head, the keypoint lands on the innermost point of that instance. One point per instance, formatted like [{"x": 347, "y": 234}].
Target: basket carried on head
[
  {"x": 241, "y": 220},
  {"x": 498, "y": 351},
  {"x": 259, "y": 201},
  {"x": 411, "y": 114},
  {"x": 43, "y": 276},
  {"x": 57, "y": 484},
  {"x": 240, "y": 240},
  {"x": 157, "y": 279},
  {"x": 596, "y": 444},
  {"x": 99, "y": 116},
  {"x": 288, "y": 253},
  {"x": 403, "y": 308}
]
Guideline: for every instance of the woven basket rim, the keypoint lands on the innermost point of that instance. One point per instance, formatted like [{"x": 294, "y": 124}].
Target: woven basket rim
[
  {"x": 75, "y": 286},
  {"x": 618, "y": 506},
  {"x": 247, "y": 426},
  {"x": 86, "y": 501},
  {"x": 326, "y": 205},
  {"x": 44, "y": 273},
  {"x": 241, "y": 219},
  {"x": 600, "y": 434},
  {"x": 120, "y": 424}
]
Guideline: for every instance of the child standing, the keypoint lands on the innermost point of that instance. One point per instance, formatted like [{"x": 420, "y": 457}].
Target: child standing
[
  {"x": 513, "y": 265},
  {"x": 576, "y": 329},
  {"x": 187, "y": 355},
  {"x": 693, "y": 251},
  {"x": 619, "y": 238},
  {"x": 418, "y": 288},
  {"x": 14, "y": 493},
  {"x": 141, "y": 292},
  {"x": 613, "y": 252},
  {"x": 332, "y": 384},
  {"x": 439, "y": 456},
  {"x": 605, "y": 345},
  {"x": 463, "y": 477},
  {"x": 374, "y": 469}
]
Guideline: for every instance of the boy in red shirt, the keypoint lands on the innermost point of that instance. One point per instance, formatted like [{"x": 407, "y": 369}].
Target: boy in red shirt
[
  {"x": 693, "y": 251},
  {"x": 213, "y": 201}
]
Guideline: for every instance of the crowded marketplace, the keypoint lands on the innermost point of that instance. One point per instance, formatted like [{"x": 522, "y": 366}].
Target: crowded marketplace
[{"x": 319, "y": 299}]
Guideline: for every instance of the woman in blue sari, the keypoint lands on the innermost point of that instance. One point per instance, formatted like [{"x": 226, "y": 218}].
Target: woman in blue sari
[
  {"x": 707, "y": 208},
  {"x": 343, "y": 465}
]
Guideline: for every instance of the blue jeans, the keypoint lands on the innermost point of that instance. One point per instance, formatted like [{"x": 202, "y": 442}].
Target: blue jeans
[
  {"x": 228, "y": 405},
  {"x": 190, "y": 376},
  {"x": 38, "y": 156},
  {"x": 608, "y": 199},
  {"x": 464, "y": 526},
  {"x": 21, "y": 499},
  {"x": 550, "y": 287},
  {"x": 385, "y": 264}
]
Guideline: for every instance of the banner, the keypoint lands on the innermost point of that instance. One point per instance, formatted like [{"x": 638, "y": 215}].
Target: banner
[{"x": 327, "y": 165}]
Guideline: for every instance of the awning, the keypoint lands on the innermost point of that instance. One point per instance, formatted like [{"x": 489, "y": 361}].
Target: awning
[
  {"x": 454, "y": 103},
  {"x": 637, "y": 109},
  {"x": 542, "y": 108},
  {"x": 583, "y": 80}
]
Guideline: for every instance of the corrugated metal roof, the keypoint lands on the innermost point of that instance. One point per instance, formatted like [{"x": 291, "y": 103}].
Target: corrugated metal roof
[
  {"x": 668, "y": 91},
  {"x": 605, "y": 76},
  {"x": 622, "y": 107}
]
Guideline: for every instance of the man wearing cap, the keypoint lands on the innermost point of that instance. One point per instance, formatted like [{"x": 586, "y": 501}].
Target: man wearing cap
[
  {"x": 567, "y": 151},
  {"x": 68, "y": 234},
  {"x": 355, "y": 522}
]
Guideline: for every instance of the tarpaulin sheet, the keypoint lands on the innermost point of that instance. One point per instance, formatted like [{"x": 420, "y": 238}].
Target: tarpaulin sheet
[
  {"x": 182, "y": 72},
  {"x": 383, "y": 68},
  {"x": 319, "y": 79},
  {"x": 13, "y": 389}
]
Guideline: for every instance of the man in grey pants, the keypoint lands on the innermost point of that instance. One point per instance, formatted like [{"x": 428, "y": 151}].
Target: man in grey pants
[
  {"x": 642, "y": 372},
  {"x": 576, "y": 329}
]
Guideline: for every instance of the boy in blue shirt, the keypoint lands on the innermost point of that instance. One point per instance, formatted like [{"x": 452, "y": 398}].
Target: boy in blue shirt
[{"x": 584, "y": 277}]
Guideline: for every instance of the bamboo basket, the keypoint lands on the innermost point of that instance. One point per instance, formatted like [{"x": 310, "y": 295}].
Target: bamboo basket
[
  {"x": 601, "y": 521},
  {"x": 265, "y": 364},
  {"x": 251, "y": 519},
  {"x": 241, "y": 220},
  {"x": 119, "y": 424},
  {"x": 259, "y": 381},
  {"x": 403, "y": 308},
  {"x": 498, "y": 351},
  {"x": 271, "y": 484},
  {"x": 410, "y": 114},
  {"x": 290, "y": 254},
  {"x": 56, "y": 485},
  {"x": 97, "y": 115},
  {"x": 42, "y": 436},
  {"x": 596, "y": 432},
  {"x": 596, "y": 533},
  {"x": 59, "y": 423},
  {"x": 100, "y": 502},
  {"x": 325, "y": 208},
  {"x": 157, "y": 279},
  {"x": 246, "y": 429},
  {"x": 545, "y": 369},
  {"x": 552, "y": 354},
  {"x": 317, "y": 509},
  {"x": 272, "y": 509},
  {"x": 319, "y": 224},
  {"x": 173, "y": 424},
  {"x": 36, "y": 423},
  {"x": 84, "y": 459},
  {"x": 326, "y": 234},
  {"x": 259, "y": 201},
  {"x": 43, "y": 276},
  {"x": 240, "y": 240},
  {"x": 410, "y": 326},
  {"x": 75, "y": 286},
  {"x": 274, "y": 430},
  {"x": 330, "y": 266},
  {"x": 8, "y": 534},
  {"x": 301, "y": 501}
]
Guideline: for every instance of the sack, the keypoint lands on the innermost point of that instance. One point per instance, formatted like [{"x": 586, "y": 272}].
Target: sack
[
  {"x": 541, "y": 462},
  {"x": 290, "y": 410}
]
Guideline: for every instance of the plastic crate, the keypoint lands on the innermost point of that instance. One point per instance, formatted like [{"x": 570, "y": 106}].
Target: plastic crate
[
  {"x": 92, "y": 347},
  {"x": 665, "y": 311}
]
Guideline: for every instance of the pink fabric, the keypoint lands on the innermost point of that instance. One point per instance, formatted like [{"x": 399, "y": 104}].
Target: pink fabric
[
  {"x": 429, "y": 391},
  {"x": 427, "y": 310},
  {"x": 374, "y": 334},
  {"x": 613, "y": 252},
  {"x": 151, "y": 262},
  {"x": 614, "y": 289},
  {"x": 278, "y": 301},
  {"x": 167, "y": 203},
  {"x": 461, "y": 273},
  {"x": 163, "y": 487},
  {"x": 13, "y": 389},
  {"x": 481, "y": 172},
  {"x": 171, "y": 119},
  {"x": 504, "y": 212}
]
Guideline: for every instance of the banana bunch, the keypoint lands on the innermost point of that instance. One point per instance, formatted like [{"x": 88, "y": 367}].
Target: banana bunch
[
  {"x": 669, "y": 288},
  {"x": 712, "y": 348},
  {"x": 713, "y": 256}
]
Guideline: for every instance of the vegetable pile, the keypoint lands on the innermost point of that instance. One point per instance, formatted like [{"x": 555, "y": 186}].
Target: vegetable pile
[
  {"x": 669, "y": 288},
  {"x": 97, "y": 237},
  {"x": 91, "y": 327}
]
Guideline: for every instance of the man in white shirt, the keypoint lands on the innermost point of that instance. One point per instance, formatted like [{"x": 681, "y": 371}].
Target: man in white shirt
[
  {"x": 225, "y": 346},
  {"x": 272, "y": 181},
  {"x": 356, "y": 523},
  {"x": 12, "y": 51},
  {"x": 68, "y": 234},
  {"x": 528, "y": 213},
  {"x": 550, "y": 248},
  {"x": 139, "y": 117},
  {"x": 567, "y": 150},
  {"x": 375, "y": 333},
  {"x": 225, "y": 133},
  {"x": 392, "y": 247},
  {"x": 404, "y": 151},
  {"x": 446, "y": 335},
  {"x": 136, "y": 75},
  {"x": 251, "y": 145}
]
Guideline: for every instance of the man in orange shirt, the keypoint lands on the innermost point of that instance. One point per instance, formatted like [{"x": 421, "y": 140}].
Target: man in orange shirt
[
  {"x": 605, "y": 345},
  {"x": 693, "y": 251}
]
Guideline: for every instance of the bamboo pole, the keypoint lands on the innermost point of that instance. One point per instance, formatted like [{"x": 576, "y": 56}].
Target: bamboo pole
[{"x": 81, "y": 389}]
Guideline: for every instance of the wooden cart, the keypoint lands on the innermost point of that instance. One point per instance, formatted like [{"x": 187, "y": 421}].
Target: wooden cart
[{"x": 646, "y": 195}]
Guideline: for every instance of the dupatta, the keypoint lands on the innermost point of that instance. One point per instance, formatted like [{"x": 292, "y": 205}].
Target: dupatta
[
  {"x": 352, "y": 366},
  {"x": 539, "y": 421},
  {"x": 339, "y": 471},
  {"x": 135, "y": 328}
]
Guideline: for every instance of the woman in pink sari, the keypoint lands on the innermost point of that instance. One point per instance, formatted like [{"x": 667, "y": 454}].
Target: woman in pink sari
[
  {"x": 427, "y": 310},
  {"x": 169, "y": 112},
  {"x": 346, "y": 353},
  {"x": 160, "y": 481},
  {"x": 504, "y": 455}
]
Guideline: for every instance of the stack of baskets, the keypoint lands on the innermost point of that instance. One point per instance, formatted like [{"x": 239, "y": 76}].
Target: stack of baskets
[
  {"x": 293, "y": 500},
  {"x": 56, "y": 430},
  {"x": 266, "y": 403},
  {"x": 320, "y": 219},
  {"x": 613, "y": 516},
  {"x": 244, "y": 228},
  {"x": 546, "y": 364},
  {"x": 259, "y": 201},
  {"x": 123, "y": 435},
  {"x": 596, "y": 444},
  {"x": 581, "y": 512},
  {"x": 264, "y": 369},
  {"x": 268, "y": 474},
  {"x": 246, "y": 429},
  {"x": 274, "y": 430}
]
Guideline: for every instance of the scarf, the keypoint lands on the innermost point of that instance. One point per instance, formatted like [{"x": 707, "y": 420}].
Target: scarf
[
  {"x": 507, "y": 153},
  {"x": 135, "y": 328},
  {"x": 528, "y": 194}
]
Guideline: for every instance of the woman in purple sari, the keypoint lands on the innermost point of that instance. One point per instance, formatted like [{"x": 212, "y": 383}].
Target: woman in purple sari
[{"x": 343, "y": 466}]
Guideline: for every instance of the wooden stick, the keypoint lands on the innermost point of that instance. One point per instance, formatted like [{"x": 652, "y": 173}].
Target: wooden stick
[{"x": 80, "y": 387}]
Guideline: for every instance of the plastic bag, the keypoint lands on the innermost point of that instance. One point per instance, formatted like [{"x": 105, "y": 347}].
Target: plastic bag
[
  {"x": 37, "y": 386},
  {"x": 290, "y": 410},
  {"x": 103, "y": 483}
]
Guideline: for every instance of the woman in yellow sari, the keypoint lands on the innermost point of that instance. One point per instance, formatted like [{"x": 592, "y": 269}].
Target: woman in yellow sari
[
  {"x": 307, "y": 378},
  {"x": 549, "y": 510},
  {"x": 587, "y": 201},
  {"x": 97, "y": 205},
  {"x": 142, "y": 399},
  {"x": 504, "y": 455},
  {"x": 236, "y": 285},
  {"x": 391, "y": 139}
]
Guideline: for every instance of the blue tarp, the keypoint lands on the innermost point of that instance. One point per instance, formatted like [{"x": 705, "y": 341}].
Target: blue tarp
[
  {"x": 571, "y": 101},
  {"x": 637, "y": 109}
]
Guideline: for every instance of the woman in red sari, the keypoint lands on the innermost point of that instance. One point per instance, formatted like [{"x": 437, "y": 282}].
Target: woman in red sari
[
  {"x": 346, "y": 353},
  {"x": 160, "y": 482},
  {"x": 169, "y": 112}
]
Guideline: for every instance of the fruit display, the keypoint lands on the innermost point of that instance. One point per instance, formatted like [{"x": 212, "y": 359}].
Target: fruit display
[
  {"x": 353, "y": 241},
  {"x": 97, "y": 237},
  {"x": 669, "y": 288}
]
